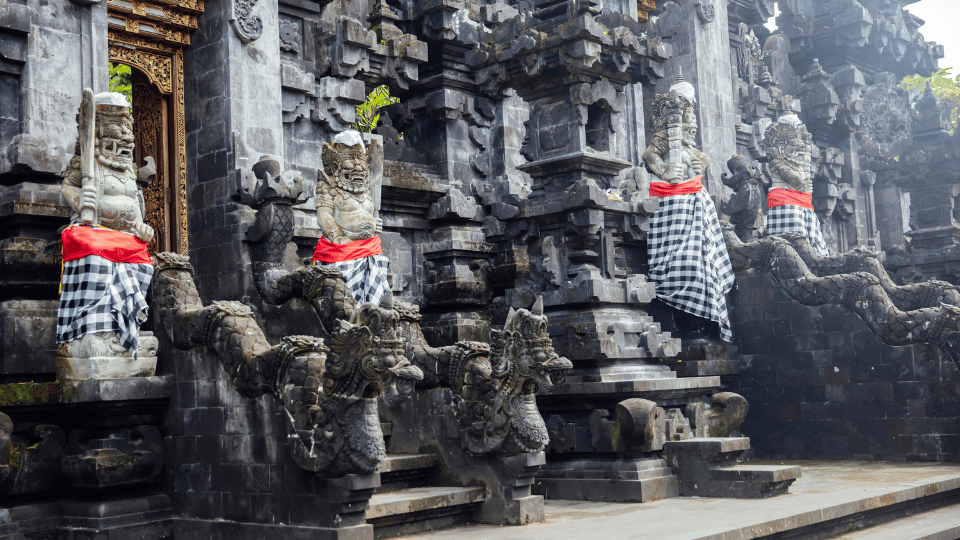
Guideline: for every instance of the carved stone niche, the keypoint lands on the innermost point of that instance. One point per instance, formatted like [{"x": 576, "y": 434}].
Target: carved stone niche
[{"x": 120, "y": 457}]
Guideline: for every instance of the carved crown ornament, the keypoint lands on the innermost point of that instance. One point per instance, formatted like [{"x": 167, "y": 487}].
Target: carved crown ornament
[{"x": 169, "y": 22}]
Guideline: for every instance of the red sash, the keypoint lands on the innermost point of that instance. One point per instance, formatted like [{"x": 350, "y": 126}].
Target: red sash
[
  {"x": 329, "y": 252},
  {"x": 784, "y": 197},
  {"x": 664, "y": 189},
  {"x": 79, "y": 241}
]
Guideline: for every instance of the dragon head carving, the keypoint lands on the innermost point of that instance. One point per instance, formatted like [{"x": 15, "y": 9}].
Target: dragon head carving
[{"x": 499, "y": 384}]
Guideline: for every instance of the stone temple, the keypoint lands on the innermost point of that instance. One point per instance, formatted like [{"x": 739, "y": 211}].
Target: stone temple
[{"x": 607, "y": 251}]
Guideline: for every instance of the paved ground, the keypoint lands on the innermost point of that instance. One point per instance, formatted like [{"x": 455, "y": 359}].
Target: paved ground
[{"x": 825, "y": 491}]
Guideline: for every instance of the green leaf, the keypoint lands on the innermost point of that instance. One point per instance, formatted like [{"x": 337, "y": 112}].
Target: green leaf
[{"x": 368, "y": 112}]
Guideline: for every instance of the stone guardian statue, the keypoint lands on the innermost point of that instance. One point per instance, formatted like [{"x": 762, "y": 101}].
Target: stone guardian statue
[
  {"x": 790, "y": 201},
  {"x": 348, "y": 207},
  {"x": 688, "y": 256},
  {"x": 106, "y": 264}
]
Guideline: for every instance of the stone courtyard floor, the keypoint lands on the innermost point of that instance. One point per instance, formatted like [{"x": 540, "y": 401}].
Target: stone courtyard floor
[{"x": 826, "y": 495}]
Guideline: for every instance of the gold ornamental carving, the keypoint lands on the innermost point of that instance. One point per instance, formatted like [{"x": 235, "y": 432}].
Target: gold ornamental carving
[
  {"x": 644, "y": 7},
  {"x": 159, "y": 69}
]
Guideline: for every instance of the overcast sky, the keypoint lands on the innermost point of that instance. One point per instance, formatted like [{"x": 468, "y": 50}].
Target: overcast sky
[{"x": 941, "y": 24}]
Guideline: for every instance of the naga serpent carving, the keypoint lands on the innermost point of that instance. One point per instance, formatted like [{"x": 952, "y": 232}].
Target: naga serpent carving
[
  {"x": 498, "y": 382},
  {"x": 861, "y": 292},
  {"x": 906, "y": 297},
  {"x": 328, "y": 393}
]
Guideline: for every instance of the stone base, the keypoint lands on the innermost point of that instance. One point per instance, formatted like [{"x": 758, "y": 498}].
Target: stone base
[
  {"x": 145, "y": 518},
  {"x": 109, "y": 360},
  {"x": 625, "y": 481},
  {"x": 28, "y": 338},
  {"x": 196, "y": 529}
]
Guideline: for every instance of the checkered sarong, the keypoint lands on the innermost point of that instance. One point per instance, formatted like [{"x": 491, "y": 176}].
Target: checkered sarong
[
  {"x": 100, "y": 295},
  {"x": 790, "y": 218},
  {"x": 366, "y": 277},
  {"x": 688, "y": 258}
]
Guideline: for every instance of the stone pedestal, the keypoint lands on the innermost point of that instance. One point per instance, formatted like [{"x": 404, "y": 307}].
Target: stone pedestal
[{"x": 100, "y": 356}]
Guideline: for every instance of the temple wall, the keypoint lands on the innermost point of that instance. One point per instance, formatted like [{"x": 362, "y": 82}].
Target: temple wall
[{"x": 822, "y": 386}]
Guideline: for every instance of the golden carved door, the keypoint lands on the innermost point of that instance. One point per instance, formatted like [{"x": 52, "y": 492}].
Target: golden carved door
[
  {"x": 150, "y": 128},
  {"x": 150, "y": 36}
]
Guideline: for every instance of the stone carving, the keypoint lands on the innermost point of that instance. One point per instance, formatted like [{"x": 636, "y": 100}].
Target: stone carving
[
  {"x": 745, "y": 205},
  {"x": 348, "y": 208},
  {"x": 334, "y": 427},
  {"x": 927, "y": 294},
  {"x": 497, "y": 382},
  {"x": 723, "y": 416},
  {"x": 705, "y": 11},
  {"x": 104, "y": 191},
  {"x": 675, "y": 133},
  {"x": 859, "y": 292},
  {"x": 685, "y": 249},
  {"x": 751, "y": 59},
  {"x": 789, "y": 148},
  {"x": 290, "y": 35},
  {"x": 106, "y": 269},
  {"x": 118, "y": 458},
  {"x": 247, "y": 26},
  {"x": 345, "y": 196}
]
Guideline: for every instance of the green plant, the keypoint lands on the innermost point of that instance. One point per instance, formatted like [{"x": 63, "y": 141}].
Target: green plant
[
  {"x": 944, "y": 87},
  {"x": 121, "y": 80},
  {"x": 368, "y": 112}
]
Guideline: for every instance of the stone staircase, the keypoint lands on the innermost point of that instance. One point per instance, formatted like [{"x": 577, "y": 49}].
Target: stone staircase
[
  {"x": 708, "y": 468},
  {"x": 407, "y": 501}
]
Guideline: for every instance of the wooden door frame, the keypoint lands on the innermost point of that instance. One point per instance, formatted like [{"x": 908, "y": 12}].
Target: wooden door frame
[{"x": 151, "y": 36}]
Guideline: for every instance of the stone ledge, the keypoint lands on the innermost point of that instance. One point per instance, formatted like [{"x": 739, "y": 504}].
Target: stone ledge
[{"x": 131, "y": 389}]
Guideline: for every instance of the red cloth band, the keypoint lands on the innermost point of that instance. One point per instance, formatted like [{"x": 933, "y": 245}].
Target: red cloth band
[
  {"x": 664, "y": 189},
  {"x": 329, "y": 252},
  {"x": 784, "y": 196},
  {"x": 79, "y": 241}
]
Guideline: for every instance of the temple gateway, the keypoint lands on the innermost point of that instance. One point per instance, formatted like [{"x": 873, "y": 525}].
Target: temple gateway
[{"x": 357, "y": 269}]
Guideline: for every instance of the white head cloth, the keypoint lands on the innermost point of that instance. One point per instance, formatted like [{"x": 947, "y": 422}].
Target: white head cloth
[
  {"x": 684, "y": 90},
  {"x": 350, "y": 138},
  {"x": 789, "y": 119},
  {"x": 114, "y": 99}
]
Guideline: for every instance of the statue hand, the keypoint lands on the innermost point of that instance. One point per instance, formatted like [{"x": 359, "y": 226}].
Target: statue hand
[
  {"x": 143, "y": 232},
  {"x": 674, "y": 172},
  {"x": 696, "y": 165},
  {"x": 88, "y": 198},
  {"x": 378, "y": 229}
]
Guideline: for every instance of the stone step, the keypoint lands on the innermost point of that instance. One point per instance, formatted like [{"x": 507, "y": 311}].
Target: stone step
[
  {"x": 940, "y": 524},
  {"x": 422, "y": 509},
  {"x": 708, "y": 468},
  {"x": 626, "y": 480},
  {"x": 404, "y": 471}
]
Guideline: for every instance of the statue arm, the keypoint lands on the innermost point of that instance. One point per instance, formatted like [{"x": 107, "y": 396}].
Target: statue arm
[
  {"x": 653, "y": 156},
  {"x": 324, "y": 194}
]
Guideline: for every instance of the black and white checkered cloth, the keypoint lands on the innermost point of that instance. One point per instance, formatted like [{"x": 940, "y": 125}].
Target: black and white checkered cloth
[
  {"x": 100, "y": 295},
  {"x": 366, "y": 277},
  {"x": 688, "y": 258},
  {"x": 790, "y": 218}
]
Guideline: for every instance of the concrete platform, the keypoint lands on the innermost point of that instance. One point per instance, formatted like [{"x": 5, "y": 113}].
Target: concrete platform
[{"x": 830, "y": 498}]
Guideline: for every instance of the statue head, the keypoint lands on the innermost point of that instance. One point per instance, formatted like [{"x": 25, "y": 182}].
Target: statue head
[
  {"x": 114, "y": 131},
  {"x": 347, "y": 166},
  {"x": 790, "y": 145}
]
